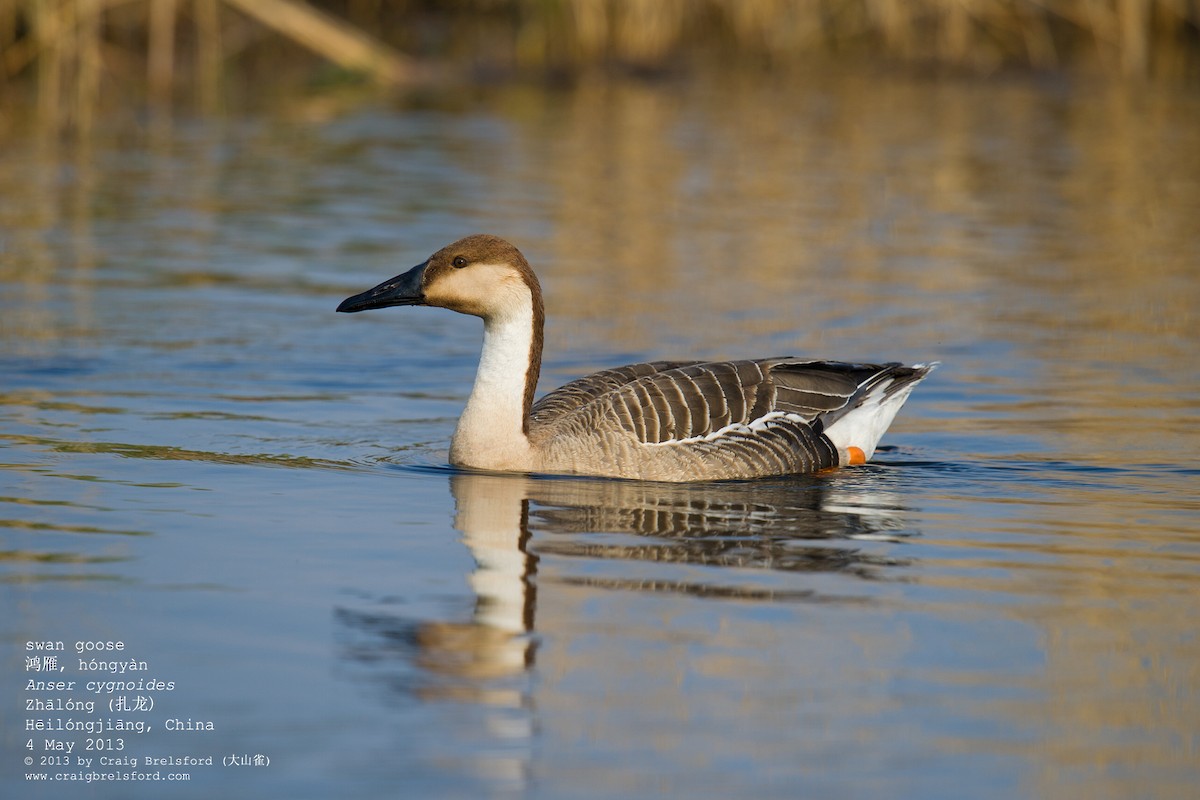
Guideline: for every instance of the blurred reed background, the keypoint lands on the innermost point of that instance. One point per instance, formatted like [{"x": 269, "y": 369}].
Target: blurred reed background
[{"x": 69, "y": 55}]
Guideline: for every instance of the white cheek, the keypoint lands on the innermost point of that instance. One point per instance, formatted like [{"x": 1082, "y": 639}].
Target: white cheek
[{"x": 484, "y": 290}]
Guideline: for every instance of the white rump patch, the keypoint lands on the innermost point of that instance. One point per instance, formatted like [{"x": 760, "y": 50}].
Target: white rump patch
[{"x": 864, "y": 425}]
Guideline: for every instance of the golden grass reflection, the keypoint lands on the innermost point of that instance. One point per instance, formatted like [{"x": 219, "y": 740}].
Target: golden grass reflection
[{"x": 867, "y": 220}]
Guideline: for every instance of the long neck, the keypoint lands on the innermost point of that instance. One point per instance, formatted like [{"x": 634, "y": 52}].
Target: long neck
[{"x": 491, "y": 433}]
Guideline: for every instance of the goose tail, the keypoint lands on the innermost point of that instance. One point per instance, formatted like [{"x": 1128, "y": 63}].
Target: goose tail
[{"x": 860, "y": 425}]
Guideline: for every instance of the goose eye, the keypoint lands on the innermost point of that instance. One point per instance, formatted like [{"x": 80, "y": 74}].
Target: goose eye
[{"x": 459, "y": 262}]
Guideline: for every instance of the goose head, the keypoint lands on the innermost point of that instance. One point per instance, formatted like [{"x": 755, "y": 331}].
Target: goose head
[{"x": 481, "y": 275}]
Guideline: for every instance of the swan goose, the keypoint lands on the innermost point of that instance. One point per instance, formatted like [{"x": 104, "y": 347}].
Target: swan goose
[{"x": 662, "y": 420}]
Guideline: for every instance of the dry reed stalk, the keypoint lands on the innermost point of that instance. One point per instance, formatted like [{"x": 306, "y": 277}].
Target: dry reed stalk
[
  {"x": 955, "y": 40},
  {"x": 160, "y": 64},
  {"x": 1034, "y": 29},
  {"x": 88, "y": 64},
  {"x": 328, "y": 36},
  {"x": 895, "y": 19},
  {"x": 589, "y": 20},
  {"x": 17, "y": 53},
  {"x": 1133, "y": 17},
  {"x": 48, "y": 28},
  {"x": 9, "y": 14},
  {"x": 645, "y": 30},
  {"x": 208, "y": 53}
]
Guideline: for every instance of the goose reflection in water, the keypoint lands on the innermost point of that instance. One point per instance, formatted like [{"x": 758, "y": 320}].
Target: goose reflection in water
[
  {"x": 795, "y": 524},
  {"x": 548, "y": 539},
  {"x": 510, "y": 523}
]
